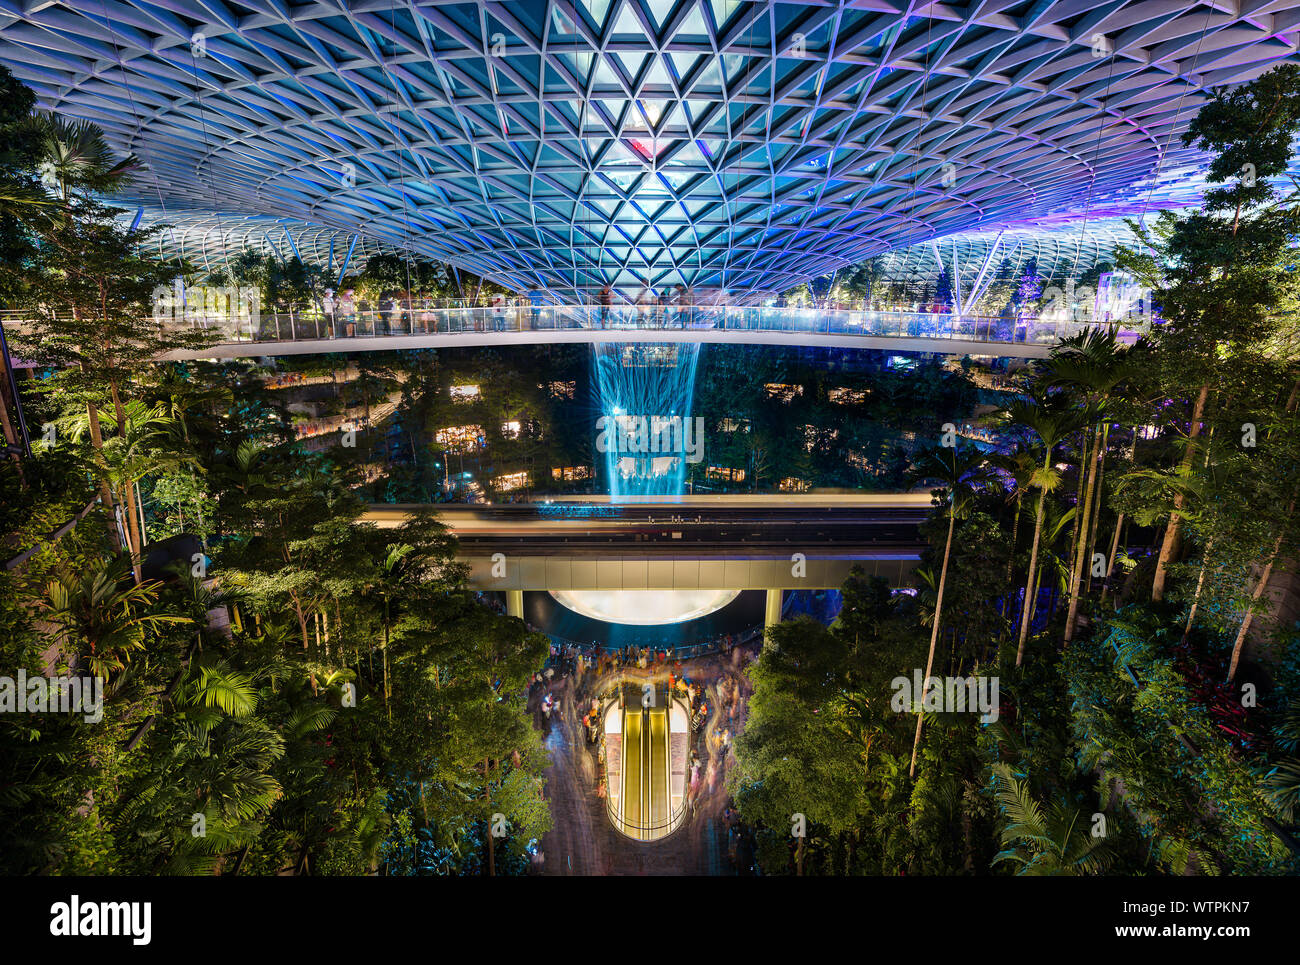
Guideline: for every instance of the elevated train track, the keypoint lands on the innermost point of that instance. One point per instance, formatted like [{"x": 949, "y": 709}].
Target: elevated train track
[{"x": 691, "y": 542}]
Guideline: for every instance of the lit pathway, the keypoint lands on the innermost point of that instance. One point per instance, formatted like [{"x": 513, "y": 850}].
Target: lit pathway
[
  {"x": 582, "y": 841},
  {"x": 318, "y": 434}
]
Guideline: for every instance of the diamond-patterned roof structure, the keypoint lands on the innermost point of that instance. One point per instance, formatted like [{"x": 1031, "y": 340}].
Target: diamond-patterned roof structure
[
  {"x": 1058, "y": 252},
  {"x": 717, "y": 143},
  {"x": 209, "y": 241}
]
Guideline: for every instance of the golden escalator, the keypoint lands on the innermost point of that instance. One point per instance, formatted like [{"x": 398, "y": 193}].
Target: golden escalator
[
  {"x": 642, "y": 807},
  {"x": 657, "y": 775},
  {"x": 633, "y": 786}
]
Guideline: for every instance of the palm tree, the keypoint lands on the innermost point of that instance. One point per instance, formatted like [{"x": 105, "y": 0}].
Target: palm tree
[
  {"x": 76, "y": 159},
  {"x": 1054, "y": 523},
  {"x": 1119, "y": 526},
  {"x": 128, "y": 458},
  {"x": 1174, "y": 529},
  {"x": 1047, "y": 419},
  {"x": 93, "y": 609},
  {"x": 76, "y": 164},
  {"x": 1019, "y": 468},
  {"x": 387, "y": 585},
  {"x": 221, "y": 756},
  {"x": 243, "y": 472},
  {"x": 1051, "y": 840},
  {"x": 1092, "y": 364},
  {"x": 960, "y": 471}
]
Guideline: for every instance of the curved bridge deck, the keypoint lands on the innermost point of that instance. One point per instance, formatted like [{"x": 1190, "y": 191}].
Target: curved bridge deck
[{"x": 299, "y": 334}]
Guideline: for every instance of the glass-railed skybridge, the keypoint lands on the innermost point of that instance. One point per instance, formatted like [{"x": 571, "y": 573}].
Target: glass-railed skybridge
[{"x": 407, "y": 328}]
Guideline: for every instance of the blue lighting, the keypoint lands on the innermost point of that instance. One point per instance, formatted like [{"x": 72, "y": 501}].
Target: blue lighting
[{"x": 644, "y": 380}]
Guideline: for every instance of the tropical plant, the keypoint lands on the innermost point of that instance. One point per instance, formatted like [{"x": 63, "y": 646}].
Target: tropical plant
[
  {"x": 961, "y": 471},
  {"x": 1054, "y": 838},
  {"x": 102, "y": 617},
  {"x": 1094, "y": 366},
  {"x": 1051, "y": 422}
]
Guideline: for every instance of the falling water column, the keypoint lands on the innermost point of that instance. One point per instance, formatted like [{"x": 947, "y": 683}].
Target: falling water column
[{"x": 646, "y": 385}]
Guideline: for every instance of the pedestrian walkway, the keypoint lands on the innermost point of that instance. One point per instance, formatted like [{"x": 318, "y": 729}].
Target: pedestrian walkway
[{"x": 582, "y": 840}]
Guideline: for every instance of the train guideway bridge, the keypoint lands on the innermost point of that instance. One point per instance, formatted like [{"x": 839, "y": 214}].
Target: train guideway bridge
[{"x": 684, "y": 543}]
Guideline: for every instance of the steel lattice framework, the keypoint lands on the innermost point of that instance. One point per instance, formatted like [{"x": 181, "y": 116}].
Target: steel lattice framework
[
  {"x": 209, "y": 241},
  {"x": 569, "y": 143},
  {"x": 1059, "y": 252}
]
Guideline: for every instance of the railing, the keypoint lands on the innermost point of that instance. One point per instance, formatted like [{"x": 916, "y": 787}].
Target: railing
[
  {"x": 675, "y": 653},
  {"x": 408, "y": 321}
]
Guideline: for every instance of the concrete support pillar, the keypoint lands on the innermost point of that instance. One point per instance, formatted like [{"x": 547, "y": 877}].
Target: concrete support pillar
[
  {"x": 515, "y": 603},
  {"x": 772, "y": 616}
]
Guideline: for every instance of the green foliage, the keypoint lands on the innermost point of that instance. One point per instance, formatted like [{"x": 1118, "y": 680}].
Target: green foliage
[
  {"x": 360, "y": 693},
  {"x": 1045, "y": 839},
  {"x": 1203, "y": 799},
  {"x": 364, "y": 714}
]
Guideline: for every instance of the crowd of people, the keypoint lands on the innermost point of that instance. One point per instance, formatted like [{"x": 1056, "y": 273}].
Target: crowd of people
[
  {"x": 590, "y": 674},
  {"x": 345, "y": 314},
  {"x": 666, "y": 307},
  {"x": 590, "y": 664},
  {"x": 285, "y": 380},
  {"x": 613, "y": 658}
]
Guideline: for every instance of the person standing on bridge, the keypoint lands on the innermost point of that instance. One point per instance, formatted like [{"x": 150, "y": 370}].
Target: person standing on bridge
[
  {"x": 606, "y": 299},
  {"x": 644, "y": 305},
  {"x": 535, "y": 306},
  {"x": 327, "y": 309},
  {"x": 498, "y": 312},
  {"x": 348, "y": 309}
]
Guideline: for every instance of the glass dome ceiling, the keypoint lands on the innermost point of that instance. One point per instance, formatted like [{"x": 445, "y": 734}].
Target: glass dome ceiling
[{"x": 719, "y": 143}]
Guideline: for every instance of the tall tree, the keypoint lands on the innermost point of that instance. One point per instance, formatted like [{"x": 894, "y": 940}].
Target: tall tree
[
  {"x": 1221, "y": 273},
  {"x": 91, "y": 285},
  {"x": 1093, "y": 365},
  {"x": 961, "y": 472},
  {"x": 1050, "y": 422}
]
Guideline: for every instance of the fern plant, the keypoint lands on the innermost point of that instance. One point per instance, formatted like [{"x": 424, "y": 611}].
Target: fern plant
[{"x": 1045, "y": 839}]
